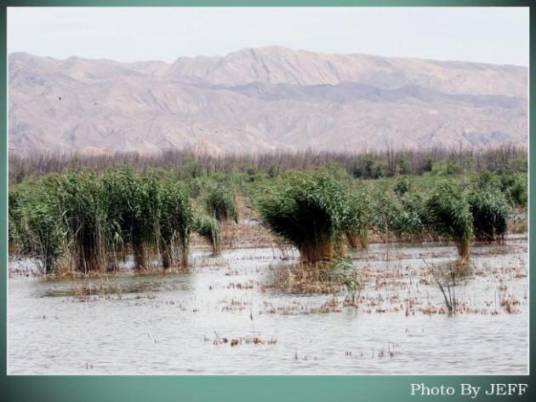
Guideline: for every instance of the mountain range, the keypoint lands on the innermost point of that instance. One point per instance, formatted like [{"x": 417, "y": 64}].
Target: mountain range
[{"x": 262, "y": 100}]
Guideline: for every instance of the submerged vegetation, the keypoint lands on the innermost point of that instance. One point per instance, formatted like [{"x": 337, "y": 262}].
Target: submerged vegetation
[{"x": 90, "y": 215}]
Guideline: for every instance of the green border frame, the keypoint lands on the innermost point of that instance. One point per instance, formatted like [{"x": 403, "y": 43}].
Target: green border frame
[{"x": 236, "y": 388}]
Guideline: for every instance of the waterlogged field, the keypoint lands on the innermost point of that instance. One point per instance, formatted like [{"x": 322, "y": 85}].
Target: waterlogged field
[
  {"x": 278, "y": 265},
  {"x": 232, "y": 314}
]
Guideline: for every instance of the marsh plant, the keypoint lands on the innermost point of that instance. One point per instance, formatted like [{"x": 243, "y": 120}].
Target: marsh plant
[
  {"x": 92, "y": 220},
  {"x": 131, "y": 202},
  {"x": 310, "y": 211},
  {"x": 220, "y": 203},
  {"x": 35, "y": 224},
  {"x": 357, "y": 214},
  {"x": 175, "y": 223},
  {"x": 448, "y": 214},
  {"x": 490, "y": 212},
  {"x": 209, "y": 228},
  {"x": 83, "y": 216}
]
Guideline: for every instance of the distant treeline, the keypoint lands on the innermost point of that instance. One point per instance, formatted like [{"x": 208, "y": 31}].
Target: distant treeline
[{"x": 366, "y": 165}]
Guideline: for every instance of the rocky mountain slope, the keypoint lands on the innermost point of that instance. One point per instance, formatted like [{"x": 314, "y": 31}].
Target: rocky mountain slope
[{"x": 259, "y": 100}]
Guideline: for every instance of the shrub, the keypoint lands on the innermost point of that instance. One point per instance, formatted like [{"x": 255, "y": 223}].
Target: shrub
[
  {"x": 356, "y": 220},
  {"x": 398, "y": 213},
  {"x": 408, "y": 216},
  {"x": 308, "y": 210},
  {"x": 404, "y": 167},
  {"x": 514, "y": 188},
  {"x": 401, "y": 187},
  {"x": 488, "y": 179},
  {"x": 489, "y": 209},
  {"x": 368, "y": 167},
  {"x": 448, "y": 214},
  {"x": 385, "y": 209}
]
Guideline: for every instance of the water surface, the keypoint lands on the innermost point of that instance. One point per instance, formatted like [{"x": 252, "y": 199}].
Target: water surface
[{"x": 224, "y": 318}]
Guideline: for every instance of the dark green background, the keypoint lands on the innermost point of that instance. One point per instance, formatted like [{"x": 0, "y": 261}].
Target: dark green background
[{"x": 229, "y": 388}]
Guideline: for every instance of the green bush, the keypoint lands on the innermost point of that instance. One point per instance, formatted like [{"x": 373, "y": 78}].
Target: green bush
[
  {"x": 490, "y": 211},
  {"x": 515, "y": 189},
  {"x": 356, "y": 221},
  {"x": 448, "y": 214},
  {"x": 402, "y": 186},
  {"x": 368, "y": 167},
  {"x": 408, "y": 216},
  {"x": 308, "y": 210},
  {"x": 446, "y": 168},
  {"x": 384, "y": 209},
  {"x": 399, "y": 213}
]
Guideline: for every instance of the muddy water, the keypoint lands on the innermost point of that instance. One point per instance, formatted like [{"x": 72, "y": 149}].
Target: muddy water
[{"x": 224, "y": 318}]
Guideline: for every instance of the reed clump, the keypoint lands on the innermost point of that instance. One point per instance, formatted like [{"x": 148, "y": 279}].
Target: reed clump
[
  {"x": 448, "y": 214},
  {"x": 131, "y": 202},
  {"x": 310, "y": 211},
  {"x": 399, "y": 214},
  {"x": 357, "y": 215},
  {"x": 490, "y": 211},
  {"x": 175, "y": 224},
  {"x": 220, "y": 203},
  {"x": 83, "y": 217},
  {"x": 209, "y": 228},
  {"x": 36, "y": 224},
  {"x": 93, "y": 220}
]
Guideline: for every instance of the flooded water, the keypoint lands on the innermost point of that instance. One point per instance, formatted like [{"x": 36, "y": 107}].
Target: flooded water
[{"x": 223, "y": 317}]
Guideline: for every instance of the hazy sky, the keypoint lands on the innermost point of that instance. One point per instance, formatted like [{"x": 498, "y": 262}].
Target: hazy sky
[{"x": 494, "y": 35}]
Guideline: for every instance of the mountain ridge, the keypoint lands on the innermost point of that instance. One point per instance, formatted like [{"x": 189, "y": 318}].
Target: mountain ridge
[{"x": 262, "y": 100}]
